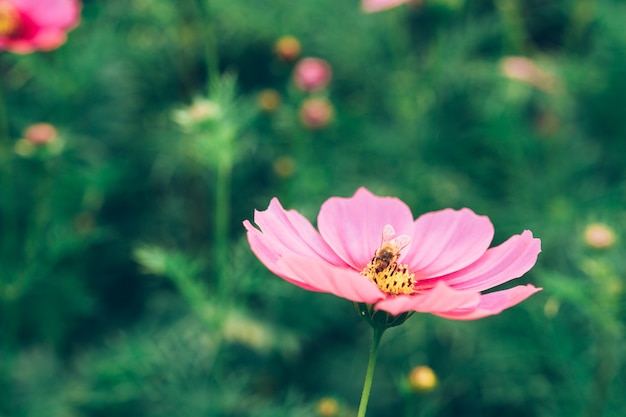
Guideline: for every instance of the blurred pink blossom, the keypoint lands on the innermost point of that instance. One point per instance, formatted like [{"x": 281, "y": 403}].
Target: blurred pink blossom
[
  {"x": 599, "y": 236},
  {"x": 312, "y": 74},
  {"x": 527, "y": 71},
  {"x": 316, "y": 113},
  {"x": 371, "y": 6},
  {"x": 29, "y": 25},
  {"x": 440, "y": 263},
  {"x": 40, "y": 134}
]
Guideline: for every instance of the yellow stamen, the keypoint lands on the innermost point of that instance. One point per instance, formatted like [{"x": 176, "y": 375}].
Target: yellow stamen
[
  {"x": 9, "y": 19},
  {"x": 393, "y": 278}
]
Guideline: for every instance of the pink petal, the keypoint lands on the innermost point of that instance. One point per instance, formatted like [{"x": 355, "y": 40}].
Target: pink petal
[
  {"x": 63, "y": 14},
  {"x": 17, "y": 46},
  {"x": 263, "y": 248},
  {"x": 492, "y": 303},
  {"x": 289, "y": 233},
  {"x": 371, "y": 6},
  {"x": 440, "y": 298},
  {"x": 344, "y": 283},
  {"x": 500, "y": 264},
  {"x": 353, "y": 226},
  {"x": 46, "y": 40},
  {"x": 446, "y": 241}
]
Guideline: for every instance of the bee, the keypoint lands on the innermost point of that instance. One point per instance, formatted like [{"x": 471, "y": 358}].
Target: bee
[{"x": 389, "y": 251}]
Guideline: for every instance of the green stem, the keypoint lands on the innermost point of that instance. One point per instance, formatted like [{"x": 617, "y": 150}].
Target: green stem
[
  {"x": 8, "y": 236},
  {"x": 210, "y": 42},
  {"x": 4, "y": 125},
  {"x": 222, "y": 221},
  {"x": 369, "y": 374},
  {"x": 8, "y": 321},
  {"x": 602, "y": 378},
  {"x": 582, "y": 15},
  {"x": 511, "y": 14}
]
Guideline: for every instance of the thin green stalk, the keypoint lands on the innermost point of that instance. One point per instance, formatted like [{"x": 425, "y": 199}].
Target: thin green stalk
[
  {"x": 4, "y": 124},
  {"x": 222, "y": 221},
  {"x": 224, "y": 167},
  {"x": 369, "y": 374},
  {"x": 207, "y": 29},
  {"x": 582, "y": 15},
  {"x": 7, "y": 225},
  {"x": 511, "y": 14},
  {"x": 604, "y": 372},
  {"x": 8, "y": 220}
]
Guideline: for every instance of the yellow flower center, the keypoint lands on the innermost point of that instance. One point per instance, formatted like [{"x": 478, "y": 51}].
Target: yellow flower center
[
  {"x": 384, "y": 270},
  {"x": 9, "y": 19}
]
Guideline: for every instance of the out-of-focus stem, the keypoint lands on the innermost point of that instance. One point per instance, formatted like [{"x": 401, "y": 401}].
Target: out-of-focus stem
[
  {"x": 8, "y": 223},
  {"x": 4, "y": 126},
  {"x": 211, "y": 55},
  {"x": 603, "y": 376},
  {"x": 583, "y": 13},
  {"x": 222, "y": 221},
  {"x": 7, "y": 227},
  {"x": 514, "y": 25}
]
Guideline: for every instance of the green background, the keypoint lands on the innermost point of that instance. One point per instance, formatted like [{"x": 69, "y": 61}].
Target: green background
[{"x": 128, "y": 287}]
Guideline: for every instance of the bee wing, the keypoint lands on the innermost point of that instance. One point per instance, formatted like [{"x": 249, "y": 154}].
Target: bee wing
[
  {"x": 399, "y": 242},
  {"x": 388, "y": 233}
]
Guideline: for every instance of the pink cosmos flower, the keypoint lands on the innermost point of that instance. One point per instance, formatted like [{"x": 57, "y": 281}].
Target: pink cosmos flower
[
  {"x": 370, "y": 250},
  {"x": 312, "y": 74},
  {"x": 371, "y": 6},
  {"x": 29, "y": 25}
]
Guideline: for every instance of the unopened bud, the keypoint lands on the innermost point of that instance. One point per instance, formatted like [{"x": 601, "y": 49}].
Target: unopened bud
[
  {"x": 287, "y": 48},
  {"x": 551, "y": 307},
  {"x": 268, "y": 100},
  {"x": 599, "y": 236},
  {"x": 327, "y": 407},
  {"x": 284, "y": 166},
  {"x": 422, "y": 379},
  {"x": 40, "y": 134},
  {"x": 316, "y": 113}
]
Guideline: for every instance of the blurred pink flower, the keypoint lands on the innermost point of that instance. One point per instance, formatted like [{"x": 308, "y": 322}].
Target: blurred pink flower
[
  {"x": 29, "y": 25},
  {"x": 40, "y": 134},
  {"x": 439, "y": 263},
  {"x": 371, "y": 6},
  {"x": 312, "y": 74},
  {"x": 527, "y": 71},
  {"x": 316, "y": 113}
]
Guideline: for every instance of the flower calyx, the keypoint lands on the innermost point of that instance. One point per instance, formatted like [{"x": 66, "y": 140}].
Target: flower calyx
[{"x": 378, "y": 318}]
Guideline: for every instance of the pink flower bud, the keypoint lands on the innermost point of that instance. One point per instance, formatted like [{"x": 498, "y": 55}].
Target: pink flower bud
[
  {"x": 312, "y": 74},
  {"x": 422, "y": 379},
  {"x": 599, "y": 236},
  {"x": 40, "y": 134},
  {"x": 316, "y": 113}
]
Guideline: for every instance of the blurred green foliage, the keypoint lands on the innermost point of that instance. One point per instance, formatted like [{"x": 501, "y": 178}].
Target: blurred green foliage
[{"x": 126, "y": 283}]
